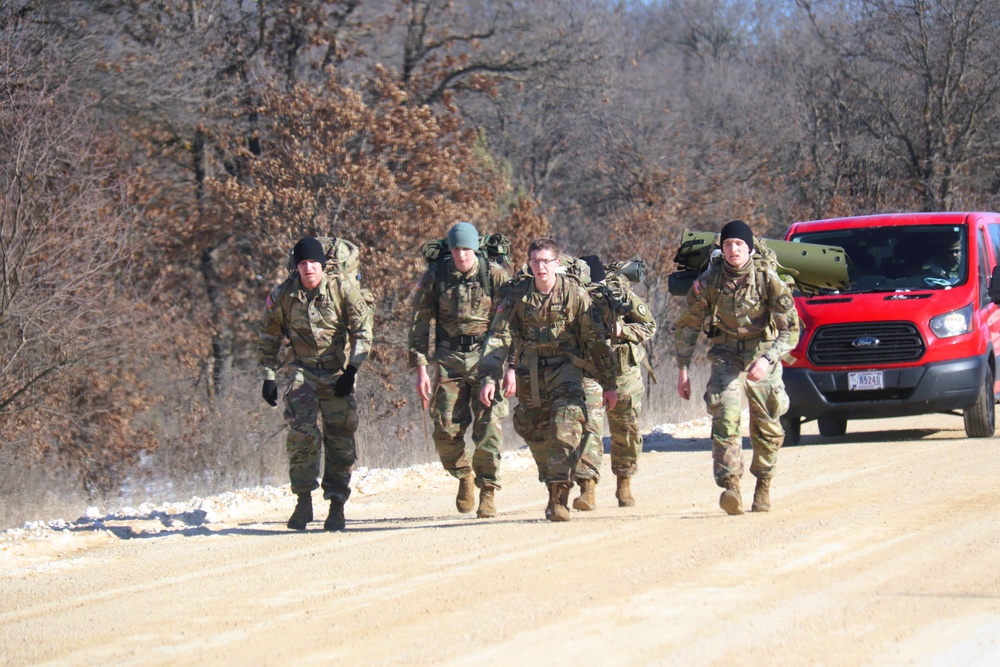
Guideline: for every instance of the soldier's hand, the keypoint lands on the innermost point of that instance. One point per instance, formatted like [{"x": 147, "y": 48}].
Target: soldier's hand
[
  {"x": 270, "y": 392},
  {"x": 423, "y": 385},
  {"x": 683, "y": 385},
  {"x": 758, "y": 369},
  {"x": 487, "y": 393},
  {"x": 345, "y": 383},
  {"x": 610, "y": 399},
  {"x": 509, "y": 383}
]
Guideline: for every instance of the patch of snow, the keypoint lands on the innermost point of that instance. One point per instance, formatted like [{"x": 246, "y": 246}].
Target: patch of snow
[{"x": 234, "y": 506}]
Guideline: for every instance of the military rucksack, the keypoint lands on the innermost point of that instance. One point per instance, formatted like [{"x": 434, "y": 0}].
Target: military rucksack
[
  {"x": 493, "y": 248},
  {"x": 619, "y": 279},
  {"x": 343, "y": 259},
  {"x": 807, "y": 268}
]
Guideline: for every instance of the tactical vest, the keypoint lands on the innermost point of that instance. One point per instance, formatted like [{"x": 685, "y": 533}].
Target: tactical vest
[
  {"x": 546, "y": 334},
  {"x": 714, "y": 282},
  {"x": 333, "y": 295},
  {"x": 444, "y": 285}
]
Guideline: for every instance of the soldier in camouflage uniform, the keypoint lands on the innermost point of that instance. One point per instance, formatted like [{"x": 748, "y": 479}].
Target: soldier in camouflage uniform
[
  {"x": 629, "y": 324},
  {"x": 547, "y": 324},
  {"x": 752, "y": 323},
  {"x": 461, "y": 307},
  {"x": 328, "y": 323}
]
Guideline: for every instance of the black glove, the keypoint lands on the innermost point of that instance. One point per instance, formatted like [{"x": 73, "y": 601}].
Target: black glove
[
  {"x": 270, "y": 392},
  {"x": 345, "y": 383}
]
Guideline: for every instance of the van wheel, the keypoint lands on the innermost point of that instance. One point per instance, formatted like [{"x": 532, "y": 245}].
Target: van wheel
[
  {"x": 831, "y": 427},
  {"x": 792, "y": 427},
  {"x": 980, "y": 417}
]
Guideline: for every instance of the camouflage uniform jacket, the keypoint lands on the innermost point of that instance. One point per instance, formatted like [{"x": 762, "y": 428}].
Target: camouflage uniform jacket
[
  {"x": 534, "y": 326},
  {"x": 462, "y": 312},
  {"x": 759, "y": 310},
  {"x": 328, "y": 328}
]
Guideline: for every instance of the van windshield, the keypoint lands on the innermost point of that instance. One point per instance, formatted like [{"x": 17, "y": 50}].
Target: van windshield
[{"x": 899, "y": 258}]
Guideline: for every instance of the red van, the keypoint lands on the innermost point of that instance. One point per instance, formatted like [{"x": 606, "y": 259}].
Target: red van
[{"x": 916, "y": 332}]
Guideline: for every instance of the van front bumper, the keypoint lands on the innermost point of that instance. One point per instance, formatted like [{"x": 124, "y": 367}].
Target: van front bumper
[{"x": 939, "y": 387}]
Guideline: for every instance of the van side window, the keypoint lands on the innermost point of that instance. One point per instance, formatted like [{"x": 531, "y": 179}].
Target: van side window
[
  {"x": 994, "y": 232},
  {"x": 985, "y": 270}
]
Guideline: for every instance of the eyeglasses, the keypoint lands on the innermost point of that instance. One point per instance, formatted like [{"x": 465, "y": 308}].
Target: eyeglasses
[{"x": 542, "y": 262}]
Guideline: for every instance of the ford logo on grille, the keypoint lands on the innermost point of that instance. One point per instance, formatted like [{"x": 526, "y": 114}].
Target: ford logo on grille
[{"x": 866, "y": 341}]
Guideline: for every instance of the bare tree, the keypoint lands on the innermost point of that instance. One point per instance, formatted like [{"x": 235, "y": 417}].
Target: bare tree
[
  {"x": 70, "y": 323},
  {"x": 922, "y": 82}
]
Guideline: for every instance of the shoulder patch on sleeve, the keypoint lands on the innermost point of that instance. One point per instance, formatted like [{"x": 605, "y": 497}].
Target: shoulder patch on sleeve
[
  {"x": 272, "y": 299},
  {"x": 641, "y": 309},
  {"x": 786, "y": 302},
  {"x": 697, "y": 287}
]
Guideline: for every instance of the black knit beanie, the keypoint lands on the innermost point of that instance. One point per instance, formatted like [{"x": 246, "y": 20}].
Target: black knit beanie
[
  {"x": 737, "y": 229},
  {"x": 597, "y": 272},
  {"x": 309, "y": 248}
]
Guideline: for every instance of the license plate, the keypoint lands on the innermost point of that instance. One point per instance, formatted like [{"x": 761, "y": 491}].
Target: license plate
[{"x": 865, "y": 380}]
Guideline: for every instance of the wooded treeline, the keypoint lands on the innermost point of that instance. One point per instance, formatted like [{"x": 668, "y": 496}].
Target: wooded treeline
[{"x": 158, "y": 159}]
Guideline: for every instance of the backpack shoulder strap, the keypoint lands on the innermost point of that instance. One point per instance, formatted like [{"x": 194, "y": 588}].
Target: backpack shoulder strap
[
  {"x": 281, "y": 294},
  {"x": 762, "y": 265},
  {"x": 440, "y": 277},
  {"x": 517, "y": 287},
  {"x": 713, "y": 282},
  {"x": 484, "y": 273}
]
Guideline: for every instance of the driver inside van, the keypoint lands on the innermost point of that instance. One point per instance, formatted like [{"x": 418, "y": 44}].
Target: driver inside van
[{"x": 946, "y": 265}]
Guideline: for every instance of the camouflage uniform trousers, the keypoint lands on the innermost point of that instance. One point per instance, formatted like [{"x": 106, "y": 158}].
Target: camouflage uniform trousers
[
  {"x": 454, "y": 406},
  {"x": 767, "y": 401},
  {"x": 308, "y": 399},
  {"x": 592, "y": 451},
  {"x": 554, "y": 429},
  {"x": 623, "y": 422}
]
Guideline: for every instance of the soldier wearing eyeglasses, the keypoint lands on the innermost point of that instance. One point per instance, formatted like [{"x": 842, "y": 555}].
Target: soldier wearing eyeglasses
[{"x": 547, "y": 328}]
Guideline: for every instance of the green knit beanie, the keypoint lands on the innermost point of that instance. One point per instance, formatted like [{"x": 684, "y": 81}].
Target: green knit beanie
[{"x": 463, "y": 235}]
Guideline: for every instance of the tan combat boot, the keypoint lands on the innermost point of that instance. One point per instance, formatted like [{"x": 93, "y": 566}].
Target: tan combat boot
[
  {"x": 303, "y": 512},
  {"x": 335, "y": 520},
  {"x": 487, "y": 509},
  {"x": 624, "y": 491},
  {"x": 762, "y": 495},
  {"x": 558, "y": 509},
  {"x": 731, "y": 500},
  {"x": 466, "y": 498},
  {"x": 586, "y": 502}
]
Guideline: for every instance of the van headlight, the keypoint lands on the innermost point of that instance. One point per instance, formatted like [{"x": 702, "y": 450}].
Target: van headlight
[{"x": 955, "y": 323}]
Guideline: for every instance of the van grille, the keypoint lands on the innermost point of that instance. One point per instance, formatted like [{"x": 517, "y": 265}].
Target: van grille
[{"x": 842, "y": 344}]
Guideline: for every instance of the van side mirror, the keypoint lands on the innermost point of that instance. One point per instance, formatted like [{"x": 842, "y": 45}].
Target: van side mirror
[{"x": 995, "y": 285}]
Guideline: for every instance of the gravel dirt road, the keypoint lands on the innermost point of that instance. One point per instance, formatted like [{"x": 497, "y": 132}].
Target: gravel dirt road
[{"x": 882, "y": 548}]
